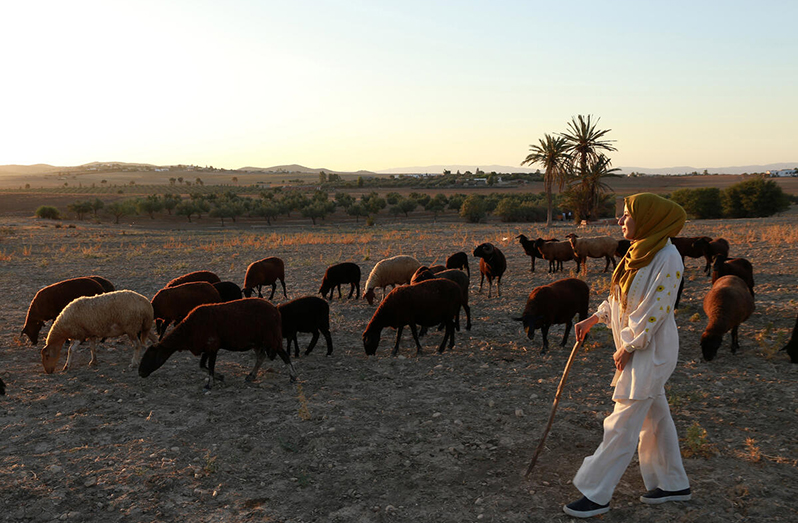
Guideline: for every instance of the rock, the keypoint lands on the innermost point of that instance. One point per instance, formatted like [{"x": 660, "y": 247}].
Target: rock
[{"x": 519, "y": 413}]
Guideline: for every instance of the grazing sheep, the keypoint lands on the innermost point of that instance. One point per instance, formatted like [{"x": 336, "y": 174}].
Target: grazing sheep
[
  {"x": 390, "y": 271},
  {"x": 264, "y": 272},
  {"x": 687, "y": 248},
  {"x": 338, "y": 274},
  {"x": 206, "y": 276},
  {"x": 102, "y": 316},
  {"x": 492, "y": 264},
  {"x": 556, "y": 252},
  {"x": 710, "y": 249},
  {"x": 723, "y": 266},
  {"x": 530, "y": 249},
  {"x": 554, "y": 304},
  {"x": 172, "y": 304},
  {"x": 623, "y": 247},
  {"x": 792, "y": 345},
  {"x": 455, "y": 275},
  {"x": 458, "y": 260},
  {"x": 427, "y": 303},
  {"x": 48, "y": 303},
  {"x": 727, "y": 304},
  {"x": 306, "y": 314},
  {"x": 105, "y": 284},
  {"x": 249, "y": 323},
  {"x": 228, "y": 291},
  {"x": 596, "y": 247}
]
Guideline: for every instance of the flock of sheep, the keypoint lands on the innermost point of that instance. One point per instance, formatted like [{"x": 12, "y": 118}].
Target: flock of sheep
[{"x": 210, "y": 314}]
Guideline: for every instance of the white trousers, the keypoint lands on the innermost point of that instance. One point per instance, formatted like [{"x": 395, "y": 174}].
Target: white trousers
[{"x": 649, "y": 422}]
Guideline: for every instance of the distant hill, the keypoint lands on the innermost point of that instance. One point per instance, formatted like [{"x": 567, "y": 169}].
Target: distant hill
[
  {"x": 742, "y": 169},
  {"x": 438, "y": 169},
  {"x": 39, "y": 168},
  {"x": 298, "y": 169}
]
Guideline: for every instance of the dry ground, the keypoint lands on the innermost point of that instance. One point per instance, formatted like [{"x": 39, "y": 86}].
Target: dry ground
[{"x": 438, "y": 438}]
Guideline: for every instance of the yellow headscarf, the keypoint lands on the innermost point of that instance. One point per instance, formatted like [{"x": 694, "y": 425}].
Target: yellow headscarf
[{"x": 656, "y": 219}]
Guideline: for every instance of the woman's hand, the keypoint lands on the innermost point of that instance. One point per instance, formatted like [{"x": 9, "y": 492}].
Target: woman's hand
[
  {"x": 583, "y": 327},
  {"x": 621, "y": 358}
]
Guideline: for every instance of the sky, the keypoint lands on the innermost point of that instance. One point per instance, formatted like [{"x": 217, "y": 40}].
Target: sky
[{"x": 370, "y": 84}]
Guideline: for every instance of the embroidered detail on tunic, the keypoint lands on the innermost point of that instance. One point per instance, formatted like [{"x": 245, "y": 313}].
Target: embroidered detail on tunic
[
  {"x": 652, "y": 319},
  {"x": 678, "y": 274},
  {"x": 660, "y": 288}
]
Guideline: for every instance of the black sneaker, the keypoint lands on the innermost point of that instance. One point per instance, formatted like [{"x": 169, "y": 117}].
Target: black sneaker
[
  {"x": 584, "y": 508},
  {"x": 657, "y": 496}
]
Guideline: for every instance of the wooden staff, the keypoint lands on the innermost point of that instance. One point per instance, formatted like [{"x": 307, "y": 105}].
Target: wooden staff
[{"x": 554, "y": 406}]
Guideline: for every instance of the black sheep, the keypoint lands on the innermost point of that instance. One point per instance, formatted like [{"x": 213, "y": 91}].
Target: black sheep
[
  {"x": 492, "y": 264},
  {"x": 792, "y": 345},
  {"x": 554, "y": 304},
  {"x": 338, "y": 274},
  {"x": 228, "y": 291},
  {"x": 458, "y": 260},
  {"x": 306, "y": 314},
  {"x": 530, "y": 249},
  {"x": 207, "y": 276}
]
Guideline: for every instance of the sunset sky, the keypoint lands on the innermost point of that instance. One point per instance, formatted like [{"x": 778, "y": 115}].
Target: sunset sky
[{"x": 371, "y": 84}]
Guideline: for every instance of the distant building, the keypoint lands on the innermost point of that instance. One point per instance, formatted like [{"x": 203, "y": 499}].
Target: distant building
[{"x": 782, "y": 173}]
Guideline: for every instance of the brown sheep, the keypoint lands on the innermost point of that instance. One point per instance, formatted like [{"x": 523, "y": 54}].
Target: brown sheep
[
  {"x": 710, "y": 249},
  {"x": 687, "y": 248},
  {"x": 206, "y": 276},
  {"x": 458, "y": 260},
  {"x": 48, "y": 303},
  {"x": 492, "y": 264},
  {"x": 427, "y": 303},
  {"x": 240, "y": 325},
  {"x": 722, "y": 266},
  {"x": 596, "y": 247},
  {"x": 105, "y": 284},
  {"x": 727, "y": 304},
  {"x": 554, "y": 304},
  {"x": 556, "y": 252},
  {"x": 532, "y": 251},
  {"x": 172, "y": 304},
  {"x": 264, "y": 272},
  {"x": 455, "y": 275},
  {"x": 792, "y": 345}
]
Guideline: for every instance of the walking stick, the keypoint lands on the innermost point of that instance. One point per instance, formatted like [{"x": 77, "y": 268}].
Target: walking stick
[{"x": 554, "y": 406}]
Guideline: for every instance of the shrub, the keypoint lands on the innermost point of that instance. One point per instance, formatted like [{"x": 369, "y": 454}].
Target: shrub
[
  {"x": 473, "y": 209},
  {"x": 703, "y": 203},
  {"x": 48, "y": 212},
  {"x": 754, "y": 198}
]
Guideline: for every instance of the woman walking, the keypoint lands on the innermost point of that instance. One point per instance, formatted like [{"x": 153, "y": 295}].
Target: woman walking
[{"x": 639, "y": 311}]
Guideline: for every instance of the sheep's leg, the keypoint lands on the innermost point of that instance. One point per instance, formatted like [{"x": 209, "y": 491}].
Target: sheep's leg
[
  {"x": 70, "y": 351},
  {"x": 93, "y": 349},
  {"x": 448, "y": 335},
  {"x": 286, "y": 359},
  {"x": 481, "y": 279},
  {"x": 357, "y": 294},
  {"x": 274, "y": 288},
  {"x": 468, "y": 316},
  {"x": 313, "y": 341},
  {"x": 499, "y": 286},
  {"x": 137, "y": 346},
  {"x": 259, "y": 291},
  {"x": 415, "y": 338},
  {"x": 204, "y": 361},
  {"x": 567, "y": 332},
  {"x": 679, "y": 293},
  {"x": 544, "y": 333},
  {"x": 398, "y": 339},
  {"x": 607, "y": 265},
  {"x": 328, "y": 339},
  {"x": 285, "y": 295},
  {"x": 351, "y": 290},
  {"x": 735, "y": 344},
  {"x": 423, "y": 331},
  {"x": 211, "y": 367}
]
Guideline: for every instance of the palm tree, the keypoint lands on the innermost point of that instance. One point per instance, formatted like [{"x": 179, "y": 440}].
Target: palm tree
[
  {"x": 552, "y": 154},
  {"x": 585, "y": 142},
  {"x": 592, "y": 189}
]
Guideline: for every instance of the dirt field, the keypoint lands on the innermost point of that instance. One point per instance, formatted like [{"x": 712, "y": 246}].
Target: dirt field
[{"x": 434, "y": 438}]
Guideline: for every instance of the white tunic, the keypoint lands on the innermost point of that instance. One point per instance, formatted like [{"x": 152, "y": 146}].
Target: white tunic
[{"x": 647, "y": 328}]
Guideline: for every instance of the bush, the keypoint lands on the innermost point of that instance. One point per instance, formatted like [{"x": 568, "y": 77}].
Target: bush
[
  {"x": 754, "y": 198},
  {"x": 48, "y": 212},
  {"x": 473, "y": 209},
  {"x": 701, "y": 204}
]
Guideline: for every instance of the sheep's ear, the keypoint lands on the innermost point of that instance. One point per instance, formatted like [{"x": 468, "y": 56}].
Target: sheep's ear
[{"x": 488, "y": 248}]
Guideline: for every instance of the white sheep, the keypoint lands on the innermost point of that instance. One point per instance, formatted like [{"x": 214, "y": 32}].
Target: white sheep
[
  {"x": 106, "y": 315},
  {"x": 390, "y": 271},
  {"x": 596, "y": 247}
]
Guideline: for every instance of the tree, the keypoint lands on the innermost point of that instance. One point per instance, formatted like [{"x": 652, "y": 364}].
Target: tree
[
  {"x": 96, "y": 205},
  {"x": 322, "y": 177},
  {"x": 436, "y": 205},
  {"x": 407, "y": 205},
  {"x": 703, "y": 203},
  {"x": 266, "y": 209},
  {"x": 473, "y": 209},
  {"x": 172, "y": 181},
  {"x": 585, "y": 143},
  {"x": 552, "y": 154},
  {"x": 357, "y": 210},
  {"x": 185, "y": 208},
  {"x": 170, "y": 201},
  {"x": 360, "y": 181},
  {"x": 344, "y": 200},
  {"x": 80, "y": 208},
  {"x": 121, "y": 208},
  {"x": 149, "y": 205},
  {"x": 48, "y": 212},
  {"x": 316, "y": 210}
]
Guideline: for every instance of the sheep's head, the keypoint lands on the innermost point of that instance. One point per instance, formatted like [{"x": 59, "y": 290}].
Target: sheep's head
[
  {"x": 369, "y": 295},
  {"x": 247, "y": 292},
  {"x": 50, "y": 355},
  {"x": 371, "y": 341},
  {"x": 31, "y": 330},
  {"x": 530, "y": 323},
  {"x": 710, "y": 344},
  {"x": 152, "y": 360},
  {"x": 325, "y": 288},
  {"x": 484, "y": 250}
]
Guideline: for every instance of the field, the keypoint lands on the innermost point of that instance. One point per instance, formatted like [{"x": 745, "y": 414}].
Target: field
[{"x": 437, "y": 438}]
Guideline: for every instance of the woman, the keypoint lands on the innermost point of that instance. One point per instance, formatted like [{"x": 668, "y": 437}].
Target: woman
[{"x": 639, "y": 311}]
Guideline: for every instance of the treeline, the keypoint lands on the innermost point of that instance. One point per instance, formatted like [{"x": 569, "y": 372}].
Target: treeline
[{"x": 753, "y": 198}]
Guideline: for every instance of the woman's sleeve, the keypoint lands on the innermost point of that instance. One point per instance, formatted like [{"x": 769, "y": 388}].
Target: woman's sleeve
[
  {"x": 656, "y": 306},
  {"x": 603, "y": 312}
]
